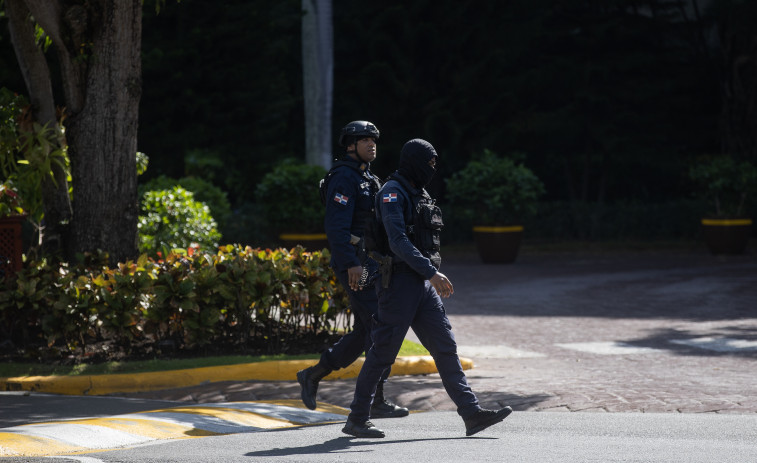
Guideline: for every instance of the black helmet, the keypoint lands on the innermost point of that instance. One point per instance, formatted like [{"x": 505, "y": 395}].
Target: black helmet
[{"x": 355, "y": 130}]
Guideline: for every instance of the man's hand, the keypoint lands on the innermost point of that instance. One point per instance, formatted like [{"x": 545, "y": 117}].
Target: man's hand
[
  {"x": 442, "y": 285},
  {"x": 353, "y": 276}
]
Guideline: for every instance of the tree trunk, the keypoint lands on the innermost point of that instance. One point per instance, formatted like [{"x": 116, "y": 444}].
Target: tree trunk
[
  {"x": 103, "y": 135},
  {"x": 99, "y": 51},
  {"x": 318, "y": 79}
]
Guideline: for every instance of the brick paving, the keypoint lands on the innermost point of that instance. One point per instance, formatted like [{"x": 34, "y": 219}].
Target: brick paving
[{"x": 588, "y": 332}]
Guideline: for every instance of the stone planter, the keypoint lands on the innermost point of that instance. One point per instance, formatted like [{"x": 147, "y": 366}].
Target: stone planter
[
  {"x": 726, "y": 236},
  {"x": 498, "y": 245}
]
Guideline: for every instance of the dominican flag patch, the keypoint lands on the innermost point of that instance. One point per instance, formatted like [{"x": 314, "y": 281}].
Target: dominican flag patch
[
  {"x": 341, "y": 199},
  {"x": 389, "y": 197}
]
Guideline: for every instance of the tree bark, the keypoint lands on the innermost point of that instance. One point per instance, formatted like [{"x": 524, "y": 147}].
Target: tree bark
[
  {"x": 103, "y": 135},
  {"x": 318, "y": 79},
  {"x": 99, "y": 50}
]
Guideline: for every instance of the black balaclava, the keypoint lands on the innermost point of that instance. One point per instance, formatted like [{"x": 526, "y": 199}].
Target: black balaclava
[{"x": 414, "y": 159}]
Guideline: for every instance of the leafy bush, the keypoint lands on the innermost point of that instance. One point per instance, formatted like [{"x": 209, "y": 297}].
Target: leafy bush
[
  {"x": 172, "y": 219},
  {"x": 726, "y": 183},
  {"x": 493, "y": 190},
  {"x": 203, "y": 191},
  {"x": 10, "y": 203},
  {"x": 142, "y": 162},
  {"x": 28, "y": 153},
  {"x": 240, "y": 298},
  {"x": 289, "y": 197}
]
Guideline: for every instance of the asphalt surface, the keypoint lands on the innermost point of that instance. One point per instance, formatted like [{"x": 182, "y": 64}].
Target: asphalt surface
[
  {"x": 664, "y": 340},
  {"x": 527, "y": 437}
]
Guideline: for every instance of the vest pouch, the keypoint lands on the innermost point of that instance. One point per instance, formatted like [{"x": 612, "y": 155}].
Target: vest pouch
[
  {"x": 374, "y": 236},
  {"x": 428, "y": 227},
  {"x": 436, "y": 259}
]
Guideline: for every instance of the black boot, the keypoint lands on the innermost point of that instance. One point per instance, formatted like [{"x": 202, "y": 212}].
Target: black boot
[
  {"x": 482, "y": 419},
  {"x": 364, "y": 429},
  {"x": 308, "y": 379},
  {"x": 382, "y": 408}
]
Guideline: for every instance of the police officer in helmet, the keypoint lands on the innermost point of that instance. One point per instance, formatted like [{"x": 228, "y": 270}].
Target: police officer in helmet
[
  {"x": 350, "y": 189},
  {"x": 411, "y": 298}
]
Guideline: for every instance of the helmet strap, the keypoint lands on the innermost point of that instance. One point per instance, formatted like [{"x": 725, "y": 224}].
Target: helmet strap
[
  {"x": 363, "y": 164},
  {"x": 353, "y": 142}
]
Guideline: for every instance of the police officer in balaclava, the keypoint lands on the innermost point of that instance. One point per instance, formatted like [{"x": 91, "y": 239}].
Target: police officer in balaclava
[{"x": 412, "y": 297}]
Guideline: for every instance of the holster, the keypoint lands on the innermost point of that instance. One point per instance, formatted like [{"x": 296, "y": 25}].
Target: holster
[{"x": 385, "y": 267}]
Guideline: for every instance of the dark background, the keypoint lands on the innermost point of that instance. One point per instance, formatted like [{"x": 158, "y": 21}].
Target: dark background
[{"x": 609, "y": 101}]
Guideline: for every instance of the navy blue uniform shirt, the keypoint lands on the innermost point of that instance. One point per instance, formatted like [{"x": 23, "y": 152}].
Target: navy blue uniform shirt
[
  {"x": 349, "y": 200},
  {"x": 395, "y": 210}
]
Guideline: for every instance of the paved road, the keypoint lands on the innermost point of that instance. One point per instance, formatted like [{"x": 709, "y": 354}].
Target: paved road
[
  {"x": 524, "y": 437},
  {"x": 646, "y": 331}
]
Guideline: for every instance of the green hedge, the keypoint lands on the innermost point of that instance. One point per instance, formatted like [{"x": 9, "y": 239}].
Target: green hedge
[
  {"x": 251, "y": 299},
  {"x": 203, "y": 191},
  {"x": 172, "y": 219}
]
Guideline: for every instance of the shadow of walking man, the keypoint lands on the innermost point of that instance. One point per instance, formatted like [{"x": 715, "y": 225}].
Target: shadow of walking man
[{"x": 346, "y": 444}]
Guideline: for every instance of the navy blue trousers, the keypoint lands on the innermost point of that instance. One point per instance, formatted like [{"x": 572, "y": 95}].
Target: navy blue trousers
[
  {"x": 411, "y": 302},
  {"x": 364, "y": 304}
]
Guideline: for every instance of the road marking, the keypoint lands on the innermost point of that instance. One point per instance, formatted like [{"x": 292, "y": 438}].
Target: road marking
[
  {"x": 91, "y": 434},
  {"x": 80, "y": 459},
  {"x": 13, "y": 445},
  {"x": 608, "y": 348},
  {"x": 718, "y": 344},
  {"x": 496, "y": 352},
  {"x": 217, "y": 420},
  {"x": 287, "y": 410},
  {"x": 95, "y": 434}
]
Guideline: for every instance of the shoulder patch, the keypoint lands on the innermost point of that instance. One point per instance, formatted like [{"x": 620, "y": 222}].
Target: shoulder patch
[
  {"x": 389, "y": 198},
  {"x": 341, "y": 199}
]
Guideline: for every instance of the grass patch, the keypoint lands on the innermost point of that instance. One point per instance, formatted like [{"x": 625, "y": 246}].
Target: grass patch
[{"x": 9, "y": 370}]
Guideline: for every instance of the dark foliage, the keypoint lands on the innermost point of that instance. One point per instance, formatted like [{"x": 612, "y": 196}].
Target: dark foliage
[
  {"x": 240, "y": 300},
  {"x": 608, "y": 100}
]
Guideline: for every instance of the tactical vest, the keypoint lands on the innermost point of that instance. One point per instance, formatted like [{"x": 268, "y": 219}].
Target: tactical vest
[
  {"x": 425, "y": 230},
  {"x": 361, "y": 217}
]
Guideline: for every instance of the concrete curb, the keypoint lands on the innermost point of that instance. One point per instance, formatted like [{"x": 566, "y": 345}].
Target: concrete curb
[{"x": 153, "y": 381}]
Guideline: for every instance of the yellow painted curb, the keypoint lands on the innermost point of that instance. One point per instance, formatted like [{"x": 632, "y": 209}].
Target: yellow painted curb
[
  {"x": 510, "y": 229},
  {"x": 153, "y": 381},
  {"x": 727, "y": 222}
]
